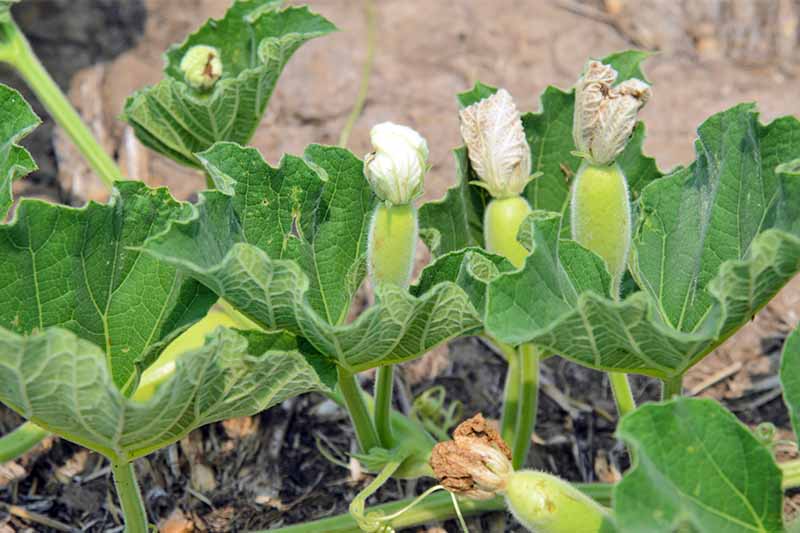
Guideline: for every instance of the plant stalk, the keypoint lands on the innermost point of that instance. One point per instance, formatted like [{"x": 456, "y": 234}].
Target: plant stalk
[
  {"x": 20, "y": 441},
  {"x": 671, "y": 387},
  {"x": 436, "y": 508},
  {"x": 623, "y": 396},
  {"x": 16, "y": 51},
  {"x": 791, "y": 474},
  {"x": 384, "y": 386},
  {"x": 130, "y": 497},
  {"x": 508, "y": 422},
  {"x": 357, "y": 408},
  {"x": 528, "y": 403}
]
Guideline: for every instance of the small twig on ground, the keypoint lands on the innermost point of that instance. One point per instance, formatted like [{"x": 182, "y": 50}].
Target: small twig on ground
[
  {"x": 29, "y": 516},
  {"x": 715, "y": 378}
]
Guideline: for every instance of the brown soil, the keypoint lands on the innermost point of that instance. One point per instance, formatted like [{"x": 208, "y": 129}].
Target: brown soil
[{"x": 266, "y": 470}]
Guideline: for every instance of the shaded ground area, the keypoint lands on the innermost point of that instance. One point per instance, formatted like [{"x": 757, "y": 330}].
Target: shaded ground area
[{"x": 266, "y": 470}]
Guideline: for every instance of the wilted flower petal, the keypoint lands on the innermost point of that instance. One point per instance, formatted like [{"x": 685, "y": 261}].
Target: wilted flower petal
[
  {"x": 498, "y": 150},
  {"x": 396, "y": 168},
  {"x": 605, "y": 115}
]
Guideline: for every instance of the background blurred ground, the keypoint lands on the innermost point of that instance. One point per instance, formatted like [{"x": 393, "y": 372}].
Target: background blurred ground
[{"x": 265, "y": 470}]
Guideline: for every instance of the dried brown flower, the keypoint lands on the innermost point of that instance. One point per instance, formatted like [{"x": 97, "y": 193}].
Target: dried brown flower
[{"x": 476, "y": 463}]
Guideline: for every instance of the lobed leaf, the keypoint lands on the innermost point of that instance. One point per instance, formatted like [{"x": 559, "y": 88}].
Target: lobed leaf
[
  {"x": 710, "y": 475},
  {"x": 456, "y": 221},
  {"x": 61, "y": 382},
  {"x": 287, "y": 250},
  {"x": 715, "y": 241},
  {"x": 17, "y": 120},
  {"x": 73, "y": 268},
  {"x": 256, "y": 39}
]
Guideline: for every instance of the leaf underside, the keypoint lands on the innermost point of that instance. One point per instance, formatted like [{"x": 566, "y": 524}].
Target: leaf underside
[
  {"x": 790, "y": 377},
  {"x": 698, "y": 469},
  {"x": 287, "y": 249},
  {"x": 60, "y": 382},
  {"x": 179, "y": 121}
]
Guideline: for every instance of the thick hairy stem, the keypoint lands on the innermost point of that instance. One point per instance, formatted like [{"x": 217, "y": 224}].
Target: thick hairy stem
[
  {"x": 15, "y": 50},
  {"x": 20, "y": 441},
  {"x": 384, "y": 385},
  {"x": 508, "y": 422},
  {"x": 357, "y": 407},
  {"x": 130, "y": 498},
  {"x": 671, "y": 387},
  {"x": 623, "y": 396},
  {"x": 528, "y": 403},
  {"x": 436, "y": 508}
]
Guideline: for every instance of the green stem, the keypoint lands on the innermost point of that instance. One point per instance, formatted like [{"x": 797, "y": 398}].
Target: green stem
[
  {"x": 20, "y": 441},
  {"x": 622, "y": 393},
  {"x": 359, "y": 415},
  {"x": 671, "y": 387},
  {"x": 130, "y": 498},
  {"x": 791, "y": 474},
  {"x": 359, "y": 503},
  {"x": 508, "y": 422},
  {"x": 384, "y": 384},
  {"x": 528, "y": 403},
  {"x": 16, "y": 51},
  {"x": 438, "y": 507}
]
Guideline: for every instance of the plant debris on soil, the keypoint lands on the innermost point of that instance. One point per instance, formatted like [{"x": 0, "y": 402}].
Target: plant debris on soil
[{"x": 268, "y": 470}]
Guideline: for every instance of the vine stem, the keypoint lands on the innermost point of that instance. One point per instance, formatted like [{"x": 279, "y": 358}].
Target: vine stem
[
  {"x": 621, "y": 387},
  {"x": 528, "y": 403},
  {"x": 130, "y": 497},
  {"x": 16, "y": 51},
  {"x": 357, "y": 408},
  {"x": 366, "y": 73},
  {"x": 671, "y": 387},
  {"x": 791, "y": 474},
  {"x": 436, "y": 508},
  {"x": 384, "y": 385},
  {"x": 508, "y": 421},
  {"x": 20, "y": 441}
]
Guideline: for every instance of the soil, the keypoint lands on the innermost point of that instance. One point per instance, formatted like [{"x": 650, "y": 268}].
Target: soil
[{"x": 266, "y": 470}]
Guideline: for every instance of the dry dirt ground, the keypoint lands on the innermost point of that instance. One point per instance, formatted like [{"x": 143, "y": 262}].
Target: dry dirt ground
[{"x": 265, "y": 471}]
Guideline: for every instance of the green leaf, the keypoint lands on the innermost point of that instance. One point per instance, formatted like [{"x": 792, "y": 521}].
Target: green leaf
[
  {"x": 73, "y": 268},
  {"x": 5, "y": 9},
  {"x": 287, "y": 250},
  {"x": 255, "y": 39},
  {"x": 698, "y": 469},
  {"x": 456, "y": 221},
  {"x": 790, "y": 377},
  {"x": 61, "y": 382},
  {"x": 718, "y": 233},
  {"x": 17, "y": 120}
]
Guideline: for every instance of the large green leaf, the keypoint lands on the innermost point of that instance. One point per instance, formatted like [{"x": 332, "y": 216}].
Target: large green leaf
[
  {"x": 287, "y": 248},
  {"x": 742, "y": 248},
  {"x": 73, "y": 268},
  {"x": 256, "y": 38},
  {"x": 456, "y": 221},
  {"x": 697, "y": 469},
  {"x": 17, "y": 120},
  {"x": 790, "y": 377},
  {"x": 61, "y": 383}
]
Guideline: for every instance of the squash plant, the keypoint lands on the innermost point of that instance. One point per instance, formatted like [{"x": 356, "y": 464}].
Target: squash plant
[{"x": 560, "y": 237}]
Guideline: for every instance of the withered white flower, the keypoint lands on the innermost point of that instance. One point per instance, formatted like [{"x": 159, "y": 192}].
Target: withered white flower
[
  {"x": 201, "y": 66},
  {"x": 396, "y": 168},
  {"x": 498, "y": 150},
  {"x": 605, "y": 115}
]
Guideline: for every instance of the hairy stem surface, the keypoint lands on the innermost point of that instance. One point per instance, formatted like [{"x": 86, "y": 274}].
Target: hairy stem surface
[
  {"x": 357, "y": 408},
  {"x": 528, "y": 403},
  {"x": 130, "y": 497}
]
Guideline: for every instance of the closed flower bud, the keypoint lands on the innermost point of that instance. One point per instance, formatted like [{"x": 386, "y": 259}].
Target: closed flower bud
[
  {"x": 498, "y": 150},
  {"x": 201, "y": 66},
  {"x": 476, "y": 463},
  {"x": 605, "y": 115},
  {"x": 396, "y": 168}
]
